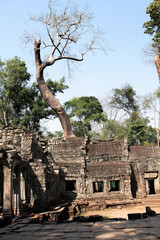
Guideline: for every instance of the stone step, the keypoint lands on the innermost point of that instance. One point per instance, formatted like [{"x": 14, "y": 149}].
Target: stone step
[
  {"x": 152, "y": 200},
  {"x": 153, "y": 196},
  {"x": 151, "y": 204}
]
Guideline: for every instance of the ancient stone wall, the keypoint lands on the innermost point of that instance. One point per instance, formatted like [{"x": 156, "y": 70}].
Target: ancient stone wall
[
  {"x": 145, "y": 162},
  {"x": 23, "y": 158},
  {"x": 70, "y": 156},
  {"x": 42, "y": 172},
  {"x": 107, "y": 149},
  {"x": 89, "y": 164}
]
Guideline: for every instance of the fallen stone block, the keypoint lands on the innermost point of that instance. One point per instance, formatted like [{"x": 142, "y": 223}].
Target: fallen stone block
[
  {"x": 144, "y": 215},
  {"x": 93, "y": 218},
  {"x": 134, "y": 216},
  {"x": 150, "y": 212}
]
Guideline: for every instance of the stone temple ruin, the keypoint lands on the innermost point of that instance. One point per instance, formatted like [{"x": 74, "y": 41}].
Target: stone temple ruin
[{"x": 36, "y": 174}]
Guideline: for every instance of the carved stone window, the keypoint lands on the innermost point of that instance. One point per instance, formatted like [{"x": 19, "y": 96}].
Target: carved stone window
[
  {"x": 114, "y": 185},
  {"x": 98, "y": 186}
]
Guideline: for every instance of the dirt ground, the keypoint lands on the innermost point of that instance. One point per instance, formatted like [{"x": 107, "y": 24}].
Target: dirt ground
[{"x": 121, "y": 212}]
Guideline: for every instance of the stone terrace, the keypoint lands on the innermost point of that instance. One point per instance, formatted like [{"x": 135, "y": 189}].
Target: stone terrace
[{"x": 140, "y": 229}]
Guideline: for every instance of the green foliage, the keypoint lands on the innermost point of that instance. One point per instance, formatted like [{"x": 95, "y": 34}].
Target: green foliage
[
  {"x": 82, "y": 112},
  {"x": 157, "y": 93},
  {"x": 113, "y": 130},
  {"x": 124, "y": 98},
  {"x": 13, "y": 80},
  {"x": 136, "y": 128},
  {"x": 56, "y": 134},
  {"x": 20, "y": 104},
  {"x": 37, "y": 108},
  {"x": 138, "y": 132},
  {"x": 56, "y": 87},
  {"x": 152, "y": 26}
]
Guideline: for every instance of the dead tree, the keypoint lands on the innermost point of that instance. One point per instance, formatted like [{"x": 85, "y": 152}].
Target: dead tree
[{"x": 64, "y": 32}]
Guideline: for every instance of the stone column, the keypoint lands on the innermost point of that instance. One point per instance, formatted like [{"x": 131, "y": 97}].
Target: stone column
[
  {"x": 22, "y": 186},
  {"x": 16, "y": 189},
  {"x": 8, "y": 184},
  {"x": 7, "y": 190}
]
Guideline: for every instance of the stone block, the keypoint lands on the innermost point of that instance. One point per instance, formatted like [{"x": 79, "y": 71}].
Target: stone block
[{"x": 134, "y": 216}]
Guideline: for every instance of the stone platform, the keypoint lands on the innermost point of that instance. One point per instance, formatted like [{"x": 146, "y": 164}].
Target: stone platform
[{"x": 148, "y": 229}]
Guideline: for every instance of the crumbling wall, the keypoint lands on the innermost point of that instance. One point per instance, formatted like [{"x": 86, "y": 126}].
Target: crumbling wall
[
  {"x": 70, "y": 156},
  {"x": 102, "y": 150},
  {"x": 26, "y": 150},
  {"x": 114, "y": 176},
  {"x": 145, "y": 161},
  {"x": 89, "y": 164},
  {"x": 75, "y": 168}
]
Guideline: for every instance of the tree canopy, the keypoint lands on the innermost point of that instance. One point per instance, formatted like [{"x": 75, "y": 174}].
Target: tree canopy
[
  {"x": 134, "y": 126},
  {"x": 13, "y": 80},
  {"x": 112, "y": 129},
  {"x": 83, "y": 111},
  {"x": 124, "y": 99},
  {"x": 152, "y": 26},
  {"x": 21, "y": 104},
  {"x": 138, "y": 132},
  {"x": 36, "y": 108}
]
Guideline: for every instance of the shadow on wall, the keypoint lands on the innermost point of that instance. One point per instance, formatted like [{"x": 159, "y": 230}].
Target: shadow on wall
[
  {"x": 69, "y": 190},
  {"x": 35, "y": 199},
  {"x": 37, "y": 188},
  {"x": 134, "y": 186}
]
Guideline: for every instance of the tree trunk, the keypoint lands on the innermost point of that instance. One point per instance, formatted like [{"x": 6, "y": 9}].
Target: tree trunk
[
  {"x": 158, "y": 126},
  {"x": 5, "y": 118},
  {"x": 157, "y": 63},
  {"x": 48, "y": 96}
]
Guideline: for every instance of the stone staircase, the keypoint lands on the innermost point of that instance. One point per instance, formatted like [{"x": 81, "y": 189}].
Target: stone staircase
[{"x": 153, "y": 201}]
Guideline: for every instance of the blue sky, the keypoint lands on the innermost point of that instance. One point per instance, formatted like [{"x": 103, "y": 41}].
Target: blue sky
[{"x": 98, "y": 74}]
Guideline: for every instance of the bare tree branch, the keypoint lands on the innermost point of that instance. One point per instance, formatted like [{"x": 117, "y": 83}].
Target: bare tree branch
[{"x": 65, "y": 31}]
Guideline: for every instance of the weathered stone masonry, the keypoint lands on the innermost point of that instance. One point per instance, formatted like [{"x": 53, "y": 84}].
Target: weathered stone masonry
[{"x": 35, "y": 173}]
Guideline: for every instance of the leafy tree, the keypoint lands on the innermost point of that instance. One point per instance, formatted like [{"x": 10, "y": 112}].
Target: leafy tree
[
  {"x": 113, "y": 130},
  {"x": 124, "y": 98},
  {"x": 136, "y": 128},
  {"x": 82, "y": 112},
  {"x": 120, "y": 104},
  {"x": 65, "y": 32},
  {"x": 21, "y": 104},
  {"x": 38, "y": 109},
  {"x": 152, "y": 27},
  {"x": 151, "y": 102},
  {"x": 13, "y": 80},
  {"x": 138, "y": 131},
  {"x": 56, "y": 134}
]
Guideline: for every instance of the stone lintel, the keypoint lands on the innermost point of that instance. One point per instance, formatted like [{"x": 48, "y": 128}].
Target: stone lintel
[{"x": 151, "y": 175}]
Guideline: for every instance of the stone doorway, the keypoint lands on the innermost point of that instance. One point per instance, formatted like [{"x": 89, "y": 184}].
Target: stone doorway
[
  {"x": 151, "y": 186},
  {"x": 151, "y": 183}
]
